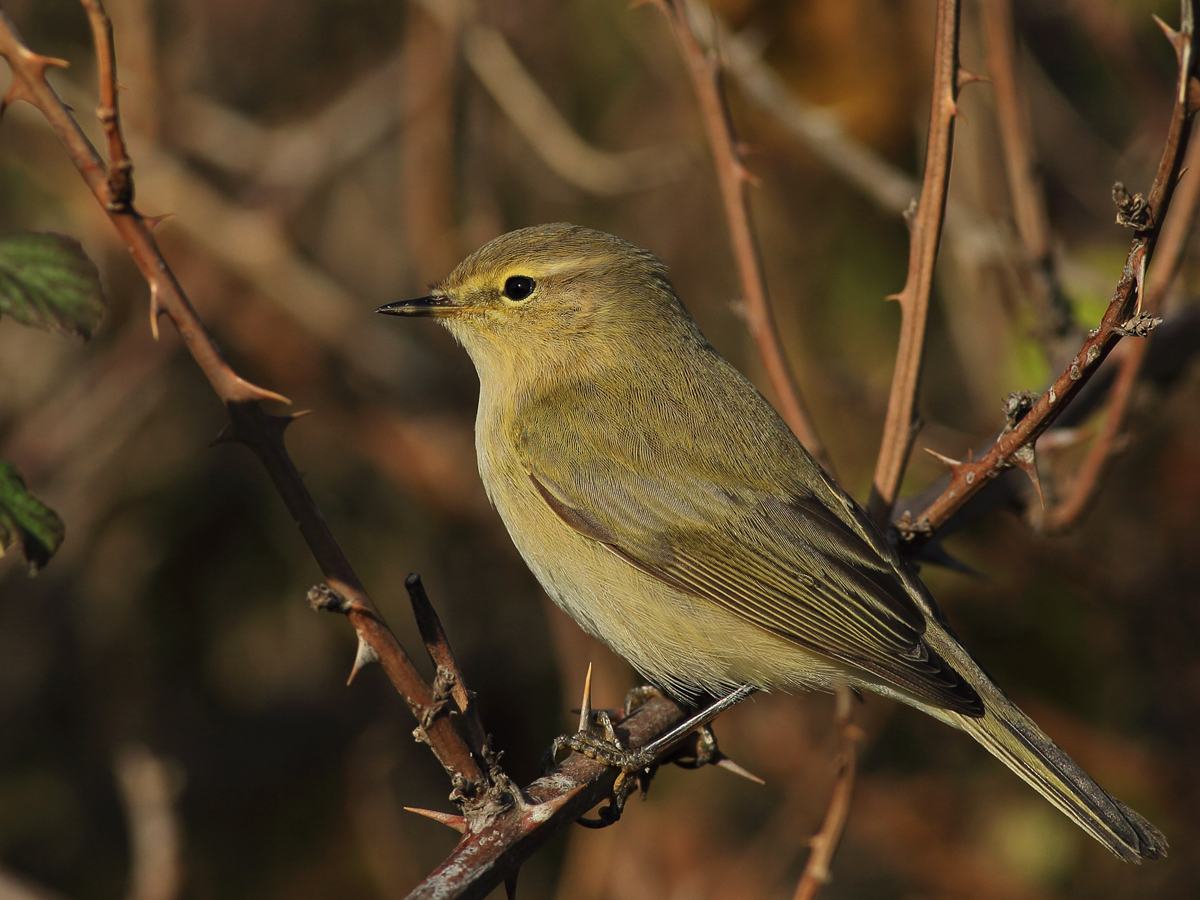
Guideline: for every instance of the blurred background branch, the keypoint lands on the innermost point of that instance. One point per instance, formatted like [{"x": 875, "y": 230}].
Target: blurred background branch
[{"x": 734, "y": 180}]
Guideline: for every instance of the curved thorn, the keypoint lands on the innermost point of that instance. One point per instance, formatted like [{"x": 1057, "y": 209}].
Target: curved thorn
[
  {"x": 1175, "y": 37},
  {"x": 965, "y": 77},
  {"x": 152, "y": 222},
  {"x": 458, "y": 823},
  {"x": 251, "y": 391},
  {"x": 364, "y": 657},
  {"x": 1025, "y": 459},
  {"x": 38, "y": 64},
  {"x": 729, "y": 765},
  {"x": 950, "y": 464}
]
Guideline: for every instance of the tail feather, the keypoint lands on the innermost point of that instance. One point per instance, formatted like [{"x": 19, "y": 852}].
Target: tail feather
[{"x": 1013, "y": 738}]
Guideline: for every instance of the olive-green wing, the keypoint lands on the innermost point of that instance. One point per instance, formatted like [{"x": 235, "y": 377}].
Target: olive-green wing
[{"x": 783, "y": 560}]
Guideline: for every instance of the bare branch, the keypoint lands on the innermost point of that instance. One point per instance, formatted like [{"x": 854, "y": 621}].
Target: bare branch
[
  {"x": 1052, "y": 310},
  {"x": 1176, "y": 229},
  {"x": 733, "y": 177},
  {"x": 1123, "y": 317},
  {"x": 448, "y": 672},
  {"x": 925, "y": 227},
  {"x": 824, "y": 843},
  {"x": 972, "y": 240},
  {"x": 120, "y": 185}
]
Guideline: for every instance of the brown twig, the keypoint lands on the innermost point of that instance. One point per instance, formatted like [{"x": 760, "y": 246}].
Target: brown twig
[
  {"x": 120, "y": 169},
  {"x": 733, "y": 178},
  {"x": 925, "y": 227},
  {"x": 1051, "y": 308},
  {"x": 824, "y": 843},
  {"x": 1123, "y": 317},
  {"x": 449, "y": 678},
  {"x": 1172, "y": 243}
]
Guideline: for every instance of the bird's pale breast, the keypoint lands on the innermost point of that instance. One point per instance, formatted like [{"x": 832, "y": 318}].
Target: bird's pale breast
[{"x": 681, "y": 642}]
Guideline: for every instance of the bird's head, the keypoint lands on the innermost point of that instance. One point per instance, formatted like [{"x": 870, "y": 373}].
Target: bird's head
[{"x": 547, "y": 294}]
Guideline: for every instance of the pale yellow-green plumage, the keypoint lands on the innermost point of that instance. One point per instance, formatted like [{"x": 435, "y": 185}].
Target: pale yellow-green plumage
[{"x": 664, "y": 505}]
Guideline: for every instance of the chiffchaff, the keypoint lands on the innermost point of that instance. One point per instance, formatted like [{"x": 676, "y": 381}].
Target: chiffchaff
[{"x": 664, "y": 505}]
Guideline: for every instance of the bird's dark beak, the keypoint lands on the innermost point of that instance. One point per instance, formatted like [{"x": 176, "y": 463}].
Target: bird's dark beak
[{"x": 421, "y": 306}]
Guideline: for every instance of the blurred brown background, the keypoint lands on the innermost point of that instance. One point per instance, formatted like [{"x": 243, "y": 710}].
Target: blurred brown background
[{"x": 174, "y": 721}]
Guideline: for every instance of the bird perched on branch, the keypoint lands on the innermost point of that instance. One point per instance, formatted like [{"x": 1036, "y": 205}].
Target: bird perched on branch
[{"x": 667, "y": 508}]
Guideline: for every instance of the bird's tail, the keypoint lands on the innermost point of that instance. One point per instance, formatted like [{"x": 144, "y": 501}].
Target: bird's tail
[{"x": 1015, "y": 740}]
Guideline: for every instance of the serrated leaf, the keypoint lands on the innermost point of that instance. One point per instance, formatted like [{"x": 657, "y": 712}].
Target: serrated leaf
[
  {"x": 25, "y": 517},
  {"x": 46, "y": 280}
]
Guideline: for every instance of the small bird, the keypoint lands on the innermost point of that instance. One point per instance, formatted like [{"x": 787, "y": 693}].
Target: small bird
[{"x": 666, "y": 507}]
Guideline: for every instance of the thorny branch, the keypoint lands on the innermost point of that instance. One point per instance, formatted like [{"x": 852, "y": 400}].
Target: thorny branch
[
  {"x": 1172, "y": 243},
  {"x": 1124, "y": 316},
  {"x": 733, "y": 178},
  {"x": 491, "y": 850},
  {"x": 120, "y": 184},
  {"x": 925, "y": 227}
]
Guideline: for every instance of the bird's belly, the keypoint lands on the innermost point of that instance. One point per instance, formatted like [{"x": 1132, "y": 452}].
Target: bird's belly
[{"x": 681, "y": 642}]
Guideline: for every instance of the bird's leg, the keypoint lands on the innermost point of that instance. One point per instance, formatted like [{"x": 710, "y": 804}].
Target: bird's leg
[
  {"x": 702, "y": 752},
  {"x": 649, "y": 753},
  {"x": 705, "y": 751}
]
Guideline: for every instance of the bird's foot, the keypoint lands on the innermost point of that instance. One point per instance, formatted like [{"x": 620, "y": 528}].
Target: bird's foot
[{"x": 635, "y": 769}]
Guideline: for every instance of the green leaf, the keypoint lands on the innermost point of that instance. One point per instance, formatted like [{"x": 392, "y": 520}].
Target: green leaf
[
  {"x": 46, "y": 280},
  {"x": 24, "y": 516}
]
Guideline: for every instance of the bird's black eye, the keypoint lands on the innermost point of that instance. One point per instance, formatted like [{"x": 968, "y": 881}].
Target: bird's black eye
[{"x": 519, "y": 287}]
